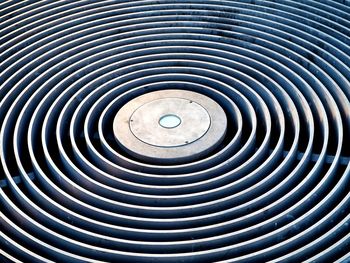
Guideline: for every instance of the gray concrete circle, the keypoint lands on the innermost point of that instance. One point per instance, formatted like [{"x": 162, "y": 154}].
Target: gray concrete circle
[
  {"x": 191, "y": 122},
  {"x": 200, "y": 129}
]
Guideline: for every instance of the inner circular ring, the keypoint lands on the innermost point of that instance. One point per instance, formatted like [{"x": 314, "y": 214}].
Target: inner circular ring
[{"x": 169, "y": 122}]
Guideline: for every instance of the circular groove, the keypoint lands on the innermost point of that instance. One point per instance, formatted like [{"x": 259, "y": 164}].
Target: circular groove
[{"x": 277, "y": 187}]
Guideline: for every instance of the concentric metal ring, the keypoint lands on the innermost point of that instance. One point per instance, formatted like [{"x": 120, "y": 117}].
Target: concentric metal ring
[{"x": 276, "y": 188}]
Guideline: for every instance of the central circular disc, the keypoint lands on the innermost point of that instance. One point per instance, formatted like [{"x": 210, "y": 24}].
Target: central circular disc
[
  {"x": 169, "y": 121},
  {"x": 170, "y": 126},
  {"x": 184, "y": 122}
]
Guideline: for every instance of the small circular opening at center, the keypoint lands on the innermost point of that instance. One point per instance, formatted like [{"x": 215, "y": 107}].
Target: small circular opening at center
[{"x": 169, "y": 121}]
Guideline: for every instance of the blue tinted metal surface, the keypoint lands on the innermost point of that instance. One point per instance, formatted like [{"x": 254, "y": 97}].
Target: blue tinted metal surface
[{"x": 277, "y": 190}]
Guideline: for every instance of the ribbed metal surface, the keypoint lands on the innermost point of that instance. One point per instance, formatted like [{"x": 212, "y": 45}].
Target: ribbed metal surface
[{"x": 277, "y": 189}]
